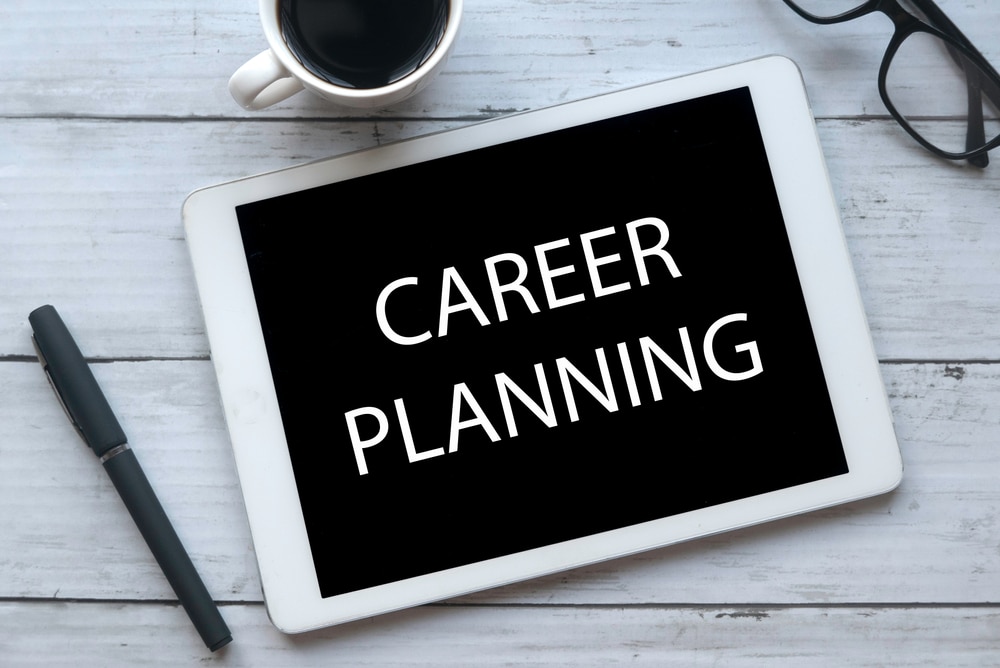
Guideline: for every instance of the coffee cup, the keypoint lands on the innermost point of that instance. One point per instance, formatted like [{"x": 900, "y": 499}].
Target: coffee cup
[{"x": 358, "y": 53}]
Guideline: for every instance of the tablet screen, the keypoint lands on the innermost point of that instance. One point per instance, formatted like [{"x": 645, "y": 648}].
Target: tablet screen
[{"x": 537, "y": 341}]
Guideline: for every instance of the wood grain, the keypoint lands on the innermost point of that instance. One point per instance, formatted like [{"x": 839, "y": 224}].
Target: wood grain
[
  {"x": 153, "y": 635},
  {"x": 111, "y": 114}
]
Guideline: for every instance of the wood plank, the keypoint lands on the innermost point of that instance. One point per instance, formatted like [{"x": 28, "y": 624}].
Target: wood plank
[
  {"x": 156, "y": 635},
  {"x": 66, "y": 534},
  {"x": 71, "y": 58},
  {"x": 105, "y": 243},
  {"x": 111, "y": 117},
  {"x": 71, "y": 209}
]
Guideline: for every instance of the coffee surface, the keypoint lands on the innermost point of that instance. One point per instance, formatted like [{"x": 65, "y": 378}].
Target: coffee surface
[{"x": 363, "y": 43}]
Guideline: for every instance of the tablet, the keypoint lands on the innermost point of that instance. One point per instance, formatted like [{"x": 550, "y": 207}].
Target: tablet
[{"x": 537, "y": 342}]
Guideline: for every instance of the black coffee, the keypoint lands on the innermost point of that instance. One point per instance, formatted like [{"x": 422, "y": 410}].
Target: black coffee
[{"x": 362, "y": 43}]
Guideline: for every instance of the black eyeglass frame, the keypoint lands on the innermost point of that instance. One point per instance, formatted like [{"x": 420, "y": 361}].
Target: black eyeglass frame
[{"x": 906, "y": 24}]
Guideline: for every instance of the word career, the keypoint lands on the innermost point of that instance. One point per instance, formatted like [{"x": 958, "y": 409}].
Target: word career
[{"x": 500, "y": 291}]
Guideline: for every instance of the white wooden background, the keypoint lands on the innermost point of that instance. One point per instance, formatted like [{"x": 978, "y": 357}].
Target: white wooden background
[{"x": 111, "y": 112}]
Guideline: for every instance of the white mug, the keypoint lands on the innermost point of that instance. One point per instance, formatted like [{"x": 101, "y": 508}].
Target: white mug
[{"x": 276, "y": 73}]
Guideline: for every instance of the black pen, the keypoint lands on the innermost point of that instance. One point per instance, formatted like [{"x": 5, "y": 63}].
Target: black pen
[{"x": 88, "y": 410}]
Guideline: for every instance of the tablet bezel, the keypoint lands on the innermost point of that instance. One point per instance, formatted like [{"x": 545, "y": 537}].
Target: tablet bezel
[{"x": 251, "y": 408}]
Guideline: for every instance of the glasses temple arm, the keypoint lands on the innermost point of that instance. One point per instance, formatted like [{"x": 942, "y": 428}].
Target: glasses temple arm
[
  {"x": 975, "y": 133},
  {"x": 977, "y": 85},
  {"x": 975, "y": 136},
  {"x": 943, "y": 23}
]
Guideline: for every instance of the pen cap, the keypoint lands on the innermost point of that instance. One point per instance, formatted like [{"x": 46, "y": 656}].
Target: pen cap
[{"x": 74, "y": 382}]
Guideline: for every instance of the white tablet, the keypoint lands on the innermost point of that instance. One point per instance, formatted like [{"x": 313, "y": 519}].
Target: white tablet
[{"x": 537, "y": 342}]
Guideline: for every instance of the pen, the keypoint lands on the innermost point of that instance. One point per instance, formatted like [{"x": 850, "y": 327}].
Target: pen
[{"x": 88, "y": 410}]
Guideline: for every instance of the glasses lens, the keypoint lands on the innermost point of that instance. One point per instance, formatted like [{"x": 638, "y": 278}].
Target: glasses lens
[
  {"x": 827, "y": 9},
  {"x": 944, "y": 95}
]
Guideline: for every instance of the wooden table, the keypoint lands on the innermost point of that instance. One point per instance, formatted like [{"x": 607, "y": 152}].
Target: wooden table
[{"x": 110, "y": 113}]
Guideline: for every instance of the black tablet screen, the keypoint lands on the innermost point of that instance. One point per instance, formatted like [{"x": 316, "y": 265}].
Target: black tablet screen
[{"x": 538, "y": 341}]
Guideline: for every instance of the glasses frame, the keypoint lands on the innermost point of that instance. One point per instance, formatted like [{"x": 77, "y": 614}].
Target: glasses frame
[{"x": 938, "y": 25}]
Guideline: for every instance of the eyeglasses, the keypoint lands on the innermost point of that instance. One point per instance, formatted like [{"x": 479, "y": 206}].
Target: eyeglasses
[{"x": 933, "y": 81}]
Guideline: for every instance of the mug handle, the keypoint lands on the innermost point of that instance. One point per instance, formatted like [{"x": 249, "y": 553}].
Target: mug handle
[{"x": 262, "y": 81}]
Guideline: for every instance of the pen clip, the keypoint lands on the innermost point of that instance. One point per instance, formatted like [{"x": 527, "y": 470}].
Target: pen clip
[
  {"x": 74, "y": 382},
  {"x": 55, "y": 388}
]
